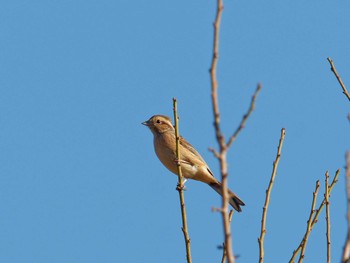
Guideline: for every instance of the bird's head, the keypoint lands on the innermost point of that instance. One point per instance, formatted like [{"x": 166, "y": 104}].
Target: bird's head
[{"x": 159, "y": 124}]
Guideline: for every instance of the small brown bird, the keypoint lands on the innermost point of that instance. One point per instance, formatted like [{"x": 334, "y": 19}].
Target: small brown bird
[{"x": 192, "y": 164}]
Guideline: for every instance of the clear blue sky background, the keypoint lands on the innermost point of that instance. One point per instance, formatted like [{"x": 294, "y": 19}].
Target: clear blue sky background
[{"x": 79, "y": 178}]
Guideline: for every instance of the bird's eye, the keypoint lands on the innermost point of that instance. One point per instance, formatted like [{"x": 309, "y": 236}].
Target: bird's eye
[{"x": 158, "y": 121}]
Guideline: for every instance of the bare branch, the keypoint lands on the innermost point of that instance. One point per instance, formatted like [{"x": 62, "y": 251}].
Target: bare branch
[
  {"x": 302, "y": 245},
  {"x": 216, "y": 154},
  {"x": 267, "y": 199},
  {"x": 308, "y": 228},
  {"x": 224, "y": 254},
  {"x": 245, "y": 117},
  {"x": 319, "y": 210},
  {"x": 315, "y": 218},
  {"x": 219, "y": 136},
  {"x": 214, "y": 81},
  {"x": 338, "y": 78},
  {"x": 328, "y": 220},
  {"x": 180, "y": 187},
  {"x": 346, "y": 249}
]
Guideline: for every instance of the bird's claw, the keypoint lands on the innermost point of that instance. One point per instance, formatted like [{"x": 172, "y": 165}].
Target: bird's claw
[
  {"x": 181, "y": 187},
  {"x": 177, "y": 161}
]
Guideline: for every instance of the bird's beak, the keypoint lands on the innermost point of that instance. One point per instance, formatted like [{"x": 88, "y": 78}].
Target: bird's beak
[{"x": 146, "y": 123}]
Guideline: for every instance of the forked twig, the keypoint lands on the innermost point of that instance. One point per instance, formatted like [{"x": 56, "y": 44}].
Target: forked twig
[
  {"x": 308, "y": 228},
  {"x": 345, "y": 91},
  {"x": 219, "y": 136},
  {"x": 267, "y": 199},
  {"x": 315, "y": 218},
  {"x": 319, "y": 210},
  {"x": 180, "y": 187},
  {"x": 221, "y": 154}
]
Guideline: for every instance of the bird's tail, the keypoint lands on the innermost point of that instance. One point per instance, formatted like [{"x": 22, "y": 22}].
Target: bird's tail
[{"x": 234, "y": 200}]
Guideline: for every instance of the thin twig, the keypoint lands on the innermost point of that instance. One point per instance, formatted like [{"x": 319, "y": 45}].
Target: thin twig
[
  {"x": 328, "y": 220},
  {"x": 214, "y": 81},
  {"x": 224, "y": 254},
  {"x": 245, "y": 117},
  {"x": 216, "y": 154},
  {"x": 219, "y": 136},
  {"x": 308, "y": 228},
  {"x": 338, "y": 78},
  {"x": 267, "y": 199},
  {"x": 346, "y": 249},
  {"x": 180, "y": 187},
  {"x": 315, "y": 218}
]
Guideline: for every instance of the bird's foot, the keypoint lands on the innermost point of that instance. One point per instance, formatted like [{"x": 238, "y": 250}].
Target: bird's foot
[
  {"x": 181, "y": 187},
  {"x": 177, "y": 161}
]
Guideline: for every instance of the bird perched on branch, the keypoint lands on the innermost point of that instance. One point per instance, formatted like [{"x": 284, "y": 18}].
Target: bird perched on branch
[{"x": 192, "y": 164}]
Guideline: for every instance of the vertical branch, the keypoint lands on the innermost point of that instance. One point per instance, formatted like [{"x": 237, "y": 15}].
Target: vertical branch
[
  {"x": 180, "y": 187},
  {"x": 346, "y": 249},
  {"x": 219, "y": 136},
  {"x": 221, "y": 155},
  {"x": 214, "y": 82},
  {"x": 224, "y": 254},
  {"x": 267, "y": 200},
  {"x": 308, "y": 228},
  {"x": 328, "y": 220},
  {"x": 346, "y": 93}
]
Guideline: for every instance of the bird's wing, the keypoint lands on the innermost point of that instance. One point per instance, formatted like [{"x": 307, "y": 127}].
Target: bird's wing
[
  {"x": 210, "y": 172},
  {"x": 189, "y": 147}
]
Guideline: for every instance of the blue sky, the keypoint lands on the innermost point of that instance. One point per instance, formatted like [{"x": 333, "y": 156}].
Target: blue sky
[{"x": 79, "y": 178}]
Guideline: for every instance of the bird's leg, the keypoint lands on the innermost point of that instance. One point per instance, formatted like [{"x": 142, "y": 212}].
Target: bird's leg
[
  {"x": 179, "y": 162},
  {"x": 182, "y": 186}
]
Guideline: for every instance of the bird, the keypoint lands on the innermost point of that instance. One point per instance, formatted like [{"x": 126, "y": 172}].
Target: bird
[{"x": 192, "y": 164}]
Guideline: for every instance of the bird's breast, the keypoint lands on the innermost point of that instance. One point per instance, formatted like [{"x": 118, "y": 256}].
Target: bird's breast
[{"x": 166, "y": 152}]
